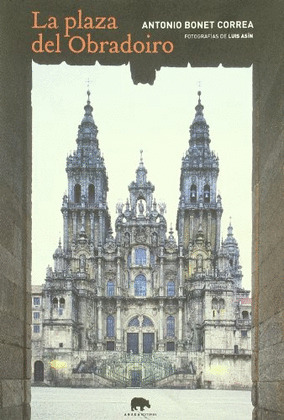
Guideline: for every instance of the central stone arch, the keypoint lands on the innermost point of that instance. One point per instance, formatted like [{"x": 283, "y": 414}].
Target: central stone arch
[{"x": 140, "y": 335}]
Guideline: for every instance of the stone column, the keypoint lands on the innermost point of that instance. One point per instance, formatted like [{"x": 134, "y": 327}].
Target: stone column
[
  {"x": 209, "y": 220},
  {"x": 74, "y": 219},
  {"x": 82, "y": 320},
  {"x": 160, "y": 340},
  {"x": 100, "y": 326},
  {"x": 118, "y": 325},
  {"x": 65, "y": 230},
  {"x": 180, "y": 290},
  {"x": 83, "y": 220},
  {"x": 100, "y": 236},
  {"x": 181, "y": 226},
  {"x": 180, "y": 327},
  {"x": 99, "y": 285},
  {"x": 191, "y": 227},
  {"x": 118, "y": 279},
  {"x": 218, "y": 229},
  {"x": 161, "y": 291},
  {"x": 92, "y": 226}
]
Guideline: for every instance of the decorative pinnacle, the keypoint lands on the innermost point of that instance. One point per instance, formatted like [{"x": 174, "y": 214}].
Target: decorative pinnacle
[
  {"x": 88, "y": 93},
  {"x": 141, "y": 157},
  {"x": 199, "y": 94}
]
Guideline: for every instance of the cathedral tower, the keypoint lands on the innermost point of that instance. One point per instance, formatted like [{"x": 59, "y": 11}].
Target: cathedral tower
[
  {"x": 200, "y": 208},
  {"x": 85, "y": 210}
]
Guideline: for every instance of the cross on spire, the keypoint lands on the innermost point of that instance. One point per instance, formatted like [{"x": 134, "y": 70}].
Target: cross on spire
[{"x": 88, "y": 91}]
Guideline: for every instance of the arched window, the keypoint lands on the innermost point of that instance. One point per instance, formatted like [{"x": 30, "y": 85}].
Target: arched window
[
  {"x": 62, "y": 303},
  {"x": 147, "y": 322},
  {"x": 38, "y": 371},
  {"x": 110, "y": 326},
  {"x": 170, "y": 326},
  {"x": 91, "y": 193},
  {"x": 140, "y": 285},
  {"x": 171, "y": 288},
  {"x": 140, "y": 256},
  {"x": 193, "y": 193},
  {"x": 206, "y": 194},
  {"x": 77, "y": 193},
  {"x": 214, "y": 303},
  {"x": 55, "y": 303},
  {"x": 110, "y": 288},
  {"x": 221, "y": 304},
  {"x": 134, "y": 322},
  {"x": 245, "y": 315}
]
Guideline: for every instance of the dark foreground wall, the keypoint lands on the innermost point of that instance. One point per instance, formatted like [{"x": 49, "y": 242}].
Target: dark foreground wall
[{"x": 15, "y": 174}]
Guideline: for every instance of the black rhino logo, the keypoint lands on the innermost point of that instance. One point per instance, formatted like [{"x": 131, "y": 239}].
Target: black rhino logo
[{"x": 139, "y": 402}]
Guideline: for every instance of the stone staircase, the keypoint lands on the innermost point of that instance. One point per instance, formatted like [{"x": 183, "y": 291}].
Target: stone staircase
[{"x": 125, "y": 370}]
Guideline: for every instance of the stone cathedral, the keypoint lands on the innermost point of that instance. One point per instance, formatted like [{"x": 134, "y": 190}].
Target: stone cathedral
[{"x": 138, "y": 306}]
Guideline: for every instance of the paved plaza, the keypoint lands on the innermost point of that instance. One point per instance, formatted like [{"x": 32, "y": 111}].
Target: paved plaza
[{"x": 115, "y": 404}]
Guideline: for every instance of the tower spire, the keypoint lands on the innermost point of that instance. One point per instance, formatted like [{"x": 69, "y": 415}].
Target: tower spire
[{"x": 199, "y": 129}]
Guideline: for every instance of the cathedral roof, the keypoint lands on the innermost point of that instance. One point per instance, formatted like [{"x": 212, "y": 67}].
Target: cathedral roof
[
  {"x": 199, "y": 155},
  {"x": 87, "y": 128},
  {"x": 230, "y": 240},
  {"x": 199, "y": 129},
  {"x": 88, "y": 154}
]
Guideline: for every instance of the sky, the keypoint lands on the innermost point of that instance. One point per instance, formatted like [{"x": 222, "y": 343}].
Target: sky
[{"x": 131, "y": 118}]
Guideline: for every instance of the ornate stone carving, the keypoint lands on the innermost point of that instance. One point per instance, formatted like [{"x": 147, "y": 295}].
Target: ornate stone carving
[{"x": 140, "y": 235}]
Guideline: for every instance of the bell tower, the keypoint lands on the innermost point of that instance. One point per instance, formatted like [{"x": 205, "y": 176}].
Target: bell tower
[
  {"x": 84, "y": 209},
  {"x": 200, "y": 208}
]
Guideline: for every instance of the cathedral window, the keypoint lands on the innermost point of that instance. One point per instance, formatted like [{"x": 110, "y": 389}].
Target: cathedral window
[
  {"x": 140, "y": 256},
  {"x": 140, "y": 285},
  {"x": 170, "y": 326},
  {"x": 36, "y": 301},
  {"x": 55, "y": 303},
  {"x": 60, "y": 344},
  {"x": 134, "y": 322},
  {"x": 193, "y": 193},
  {"x": 110, "y": 326},
  {"x": 221, "y": 304},
  {"x": 170, "y": 346},
  {"x": 147, "y": 322},
  {"x": 171, "y": 288},
  {"x": 36, "y": 315},
  {"x": 110, "y": 345},
  {"x": 36, "y": 329},
  {"x": 91, "y": 192},
  {"x": 245, "y": 315},
  {"x": 214, "y": 303},
  {"x": 77, "y": 193},
  {"x": 236, "y": 349},
  {"x": 110, "y": 288},
  {"x": 62, "y": 303},
  {"x": 207, "y": 194},
  {"x": 244, "y": 333}
]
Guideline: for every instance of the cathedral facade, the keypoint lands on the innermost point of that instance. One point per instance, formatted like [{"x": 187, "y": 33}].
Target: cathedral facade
[{"x": 137, "y": 307}]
